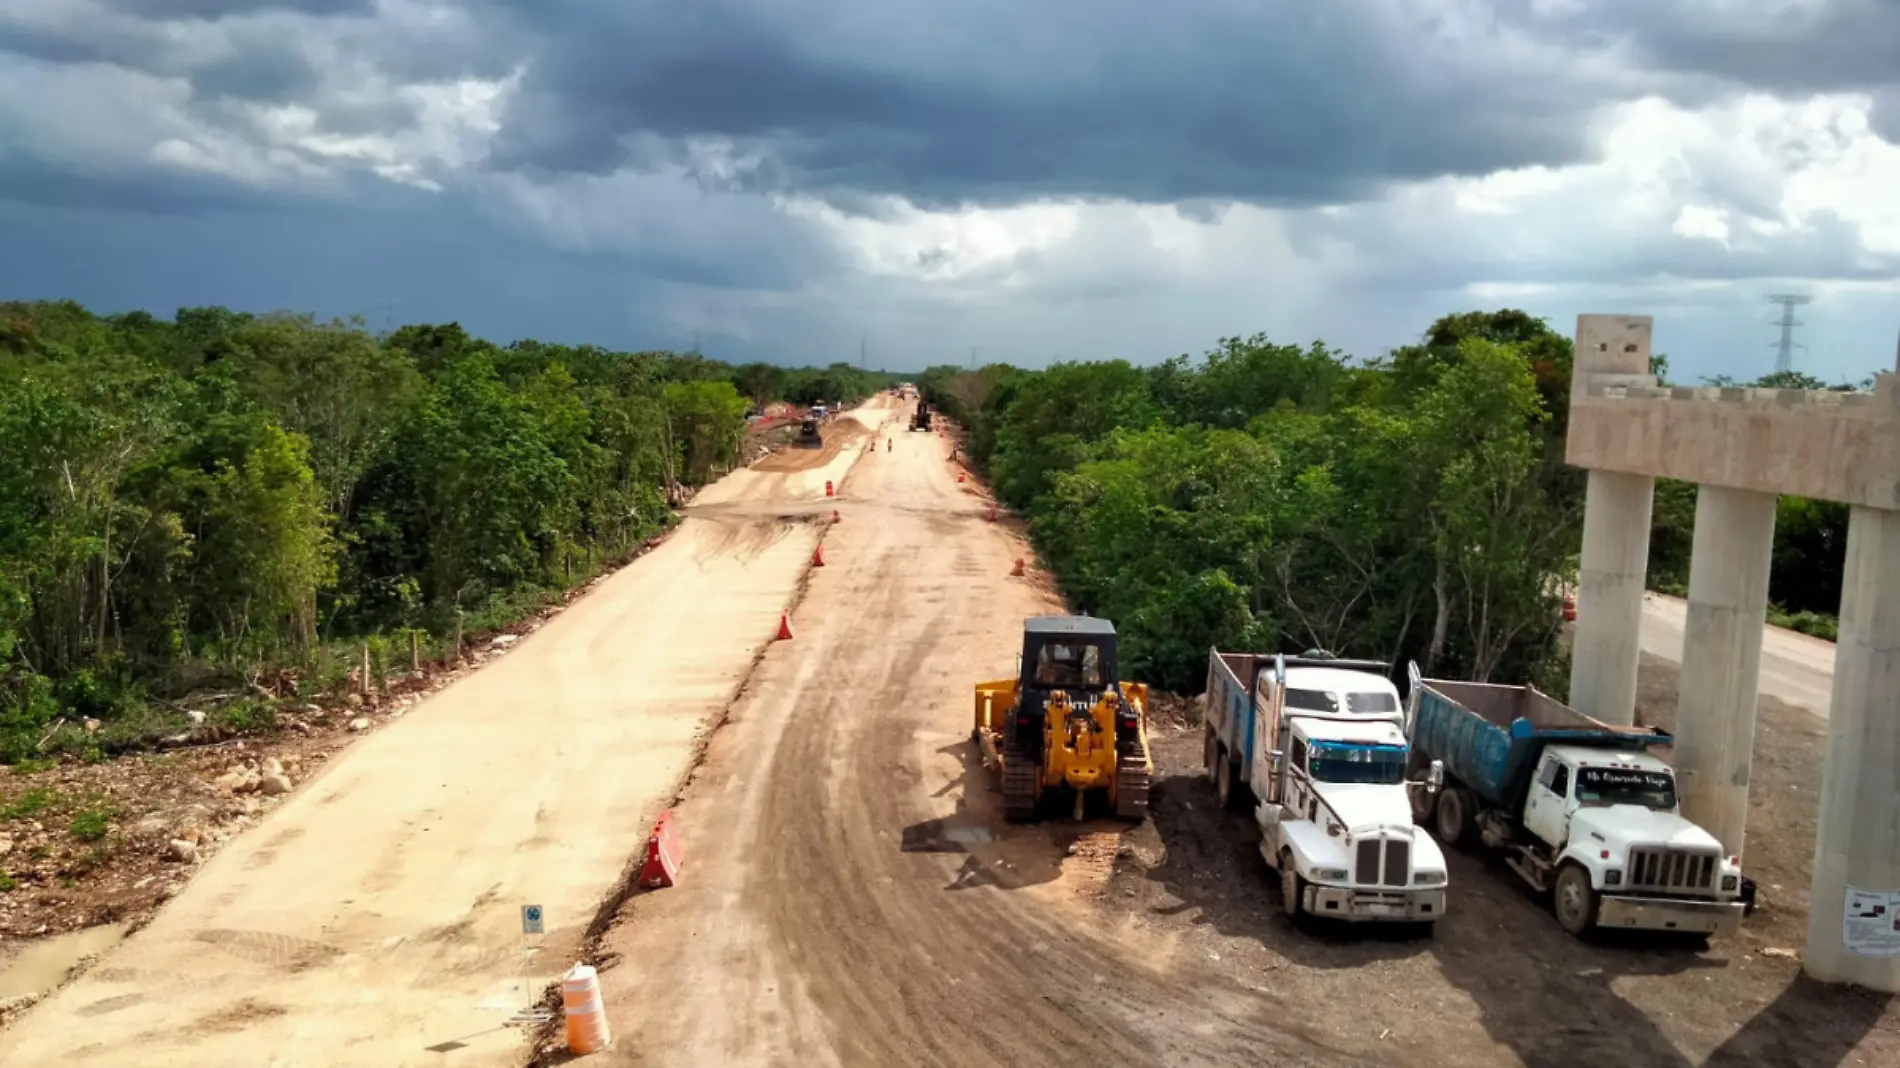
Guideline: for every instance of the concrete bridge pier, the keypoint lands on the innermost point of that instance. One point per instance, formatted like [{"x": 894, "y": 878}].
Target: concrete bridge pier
[
  {"x": 1607, "y": 649},
  {"x": 1857, "y": 845},
  {"x": 1721, "y": 658}
]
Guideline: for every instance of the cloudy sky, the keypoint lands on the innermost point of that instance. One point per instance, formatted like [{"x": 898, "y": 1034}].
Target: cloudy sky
[{"x": 1026, "y": 180}]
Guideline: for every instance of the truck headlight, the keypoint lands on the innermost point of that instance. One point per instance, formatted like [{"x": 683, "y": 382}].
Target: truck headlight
[
  {"x": 1613, "y": 877},
  {"x": 1427, "y": 878},
  {"x": 1731, "y": 883},
  {"x": 1338, "y": 874}
]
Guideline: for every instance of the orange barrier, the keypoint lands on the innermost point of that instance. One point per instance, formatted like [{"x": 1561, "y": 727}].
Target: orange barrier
[
  {"x": 586, "y": 1016},
  {"x": 1017, "y": 571},
  {"x": 818, "y": 557},
  {"x": 1570, "y": 609},
  {"x": 835, "y": 517},
  {"x": 959, "y": 476},
  {"x": 663, "y": 855},
  {"x": 992, "y": 513}
]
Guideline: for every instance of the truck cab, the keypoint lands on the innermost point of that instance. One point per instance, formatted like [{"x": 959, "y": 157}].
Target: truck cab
[
  {"x": 1326, "y": 763},
  {"x": 1615, "y": 816}
]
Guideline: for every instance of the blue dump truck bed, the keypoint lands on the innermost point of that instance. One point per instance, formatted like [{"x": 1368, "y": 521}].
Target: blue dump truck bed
[{"x": 1490, "y": 737}]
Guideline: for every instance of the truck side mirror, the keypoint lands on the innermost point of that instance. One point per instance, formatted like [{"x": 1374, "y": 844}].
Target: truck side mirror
[
  {"x": 1276, "y": 759},
  {"x": 1435, "y": 778}
]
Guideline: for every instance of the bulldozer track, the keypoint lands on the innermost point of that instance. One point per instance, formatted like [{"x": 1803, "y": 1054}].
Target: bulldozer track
[
  {"x": 1019, "y": 785},
  {"x": 1131, "y": 785}
]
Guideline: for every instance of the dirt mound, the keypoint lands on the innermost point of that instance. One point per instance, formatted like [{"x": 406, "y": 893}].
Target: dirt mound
[{"x": 837, "y": 435}]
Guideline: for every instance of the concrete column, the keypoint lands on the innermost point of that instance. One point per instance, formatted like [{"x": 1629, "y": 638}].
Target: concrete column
[
  {"x": 1857, "y": 844},
  {"x": 1721, "y": 658},
  {"x": 1607, "y": 649}
]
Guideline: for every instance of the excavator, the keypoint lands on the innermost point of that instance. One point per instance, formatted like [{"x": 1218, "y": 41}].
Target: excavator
[{"x": 1066, "y": 728}]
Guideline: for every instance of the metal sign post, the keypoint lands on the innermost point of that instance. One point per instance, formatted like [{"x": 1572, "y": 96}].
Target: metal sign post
[{"x": 533, "y": 926}]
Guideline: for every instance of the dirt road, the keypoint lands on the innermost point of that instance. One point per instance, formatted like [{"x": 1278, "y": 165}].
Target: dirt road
[
  {"x": 375, "y": 918},
  {"x": 1795, "y": 668},
  {"x": 851, "y": 893}
]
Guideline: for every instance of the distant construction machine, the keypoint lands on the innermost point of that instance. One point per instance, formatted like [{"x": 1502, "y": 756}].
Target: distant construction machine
[
  {"x": 1066, "y": 729},
  {"x": 808, "y": 435},
  {"x": 920, "y": 419}
]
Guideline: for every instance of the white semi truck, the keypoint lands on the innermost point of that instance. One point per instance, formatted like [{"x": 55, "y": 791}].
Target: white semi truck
[
  {"x": 1317, "y": 744},
  {"x": 1580, "y": 809}
]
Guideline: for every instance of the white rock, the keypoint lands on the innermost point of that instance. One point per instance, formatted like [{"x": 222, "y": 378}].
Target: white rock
[
  {"x": 182, "y": 851},
  {"x": 277, "y": 784},
  {"x": 6, "y": 846},
  {"x": 360, "y": 723},
  {"x": 196, "y": 717},
  {"x": 272, "y": 767}
]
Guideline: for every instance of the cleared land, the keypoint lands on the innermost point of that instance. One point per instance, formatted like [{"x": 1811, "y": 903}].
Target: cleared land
[{"x": 374, "y": 918}]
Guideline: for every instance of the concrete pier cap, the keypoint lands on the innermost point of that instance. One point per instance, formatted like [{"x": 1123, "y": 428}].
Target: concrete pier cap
[{"x": 1743, "y": 448}]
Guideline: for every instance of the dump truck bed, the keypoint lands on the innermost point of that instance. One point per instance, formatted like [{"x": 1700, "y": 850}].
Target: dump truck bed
[{"x": 1490, "y": 736}]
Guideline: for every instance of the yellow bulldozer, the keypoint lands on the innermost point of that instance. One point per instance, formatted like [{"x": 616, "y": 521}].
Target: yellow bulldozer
[{"x": 1066, "y": 729}]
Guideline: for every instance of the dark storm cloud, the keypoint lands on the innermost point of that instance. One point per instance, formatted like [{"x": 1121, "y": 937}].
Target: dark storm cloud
[
  {"x": 261, "y": 73},
  {"x": 1818, "y": 47},
  {"x": 1000, "y": 102},
  {"x": 159, "y": 10},
  {"x": 28, "y": 180}
]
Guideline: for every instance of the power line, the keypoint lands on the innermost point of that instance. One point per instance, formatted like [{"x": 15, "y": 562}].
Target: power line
[{"x": 1784, "y": 355}]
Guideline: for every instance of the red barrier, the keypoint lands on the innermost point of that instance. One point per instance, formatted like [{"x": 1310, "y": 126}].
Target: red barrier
[
  {"x": 827, "y": 487},
  {"x": 1570, "y": 609},
  {"x": 663, "y": 855}
]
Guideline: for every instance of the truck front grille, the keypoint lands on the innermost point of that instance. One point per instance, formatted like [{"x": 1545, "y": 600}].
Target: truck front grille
[
  {"x": 1398, "y": 857},
  {"x": 1365, "y": 868},
  {"x": 1677, "y": 871},
  {"x": 1395, "y": 852}
]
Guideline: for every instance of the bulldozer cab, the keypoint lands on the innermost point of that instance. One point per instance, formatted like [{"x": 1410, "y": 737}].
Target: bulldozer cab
[{"x": 1071, "y": 653}]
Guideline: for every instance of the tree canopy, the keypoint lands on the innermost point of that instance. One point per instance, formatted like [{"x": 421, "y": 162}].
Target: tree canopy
[{"x": 207, "y": 499}]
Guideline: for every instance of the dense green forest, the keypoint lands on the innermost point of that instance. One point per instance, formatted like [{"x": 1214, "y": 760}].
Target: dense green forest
[
  {"x": 1275, "y": 497},
  {"x": 203, "y": 503}
]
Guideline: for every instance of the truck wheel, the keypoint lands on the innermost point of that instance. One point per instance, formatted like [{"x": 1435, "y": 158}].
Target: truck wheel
[
  {"x": 1292, "y": 887},
  {"x": 1574, "y": 900},
  {"x": 1228, "y": 788},
  {"x": 1424, "y": 806},
  {"x": 1454, "y": 816}
]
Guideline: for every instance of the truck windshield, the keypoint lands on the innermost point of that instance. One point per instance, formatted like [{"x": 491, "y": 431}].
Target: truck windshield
[
  {"x": 1626, "y": 786},
  {"x": 1381, "y": 764}
]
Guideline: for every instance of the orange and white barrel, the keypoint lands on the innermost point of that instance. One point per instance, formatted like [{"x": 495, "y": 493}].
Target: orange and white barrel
[{"x": 586, "y": 1016}]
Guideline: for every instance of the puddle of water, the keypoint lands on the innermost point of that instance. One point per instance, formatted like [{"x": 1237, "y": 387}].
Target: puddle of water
[{"x": 42, "y": 965}]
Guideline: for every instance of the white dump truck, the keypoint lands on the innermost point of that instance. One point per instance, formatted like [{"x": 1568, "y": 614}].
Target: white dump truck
[
  {"x": 1315, "y": 745},
  {"x": 1580, "y": 808}
]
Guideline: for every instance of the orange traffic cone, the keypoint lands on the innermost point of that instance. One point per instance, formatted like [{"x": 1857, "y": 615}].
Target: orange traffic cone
[
  {"x": 835, "y": 517},
  {"x": 828, "y": 487},
  {"x": 818, "y": 557},
  {"x": 1017, "y": 571},
  {"x": 785, "y": 625},
  {"x": 959, "y": 476},
  {"x": 992, "y": 513}
]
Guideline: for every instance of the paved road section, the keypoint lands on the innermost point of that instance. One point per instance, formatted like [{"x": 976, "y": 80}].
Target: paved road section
[
  {"x": 1795, "y": 668},
  {"x": 375, "y": 918}
]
